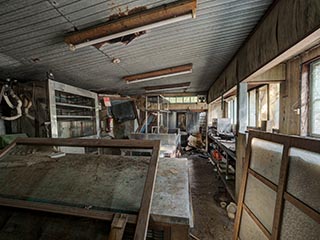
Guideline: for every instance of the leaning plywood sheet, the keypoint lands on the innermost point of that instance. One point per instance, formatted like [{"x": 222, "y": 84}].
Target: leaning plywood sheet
[
  {"x": 90, "y": 185},
  {"x": 280, "y": 191}
]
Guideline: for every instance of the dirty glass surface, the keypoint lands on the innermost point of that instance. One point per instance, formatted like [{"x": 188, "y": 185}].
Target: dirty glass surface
[
  {"x": 266, "y": 159},
  {"x": 93, "y": 181},
  {"x": 263, "y": 105},
  {"x": 297, "y": 225},
  {"x": 315, "y": 98},
  {"x": 249, "y": 230},
  {"x": 304, "y": 177},
  {"x": 274, "y": 104},
  {"x": 261, "y": 200}
]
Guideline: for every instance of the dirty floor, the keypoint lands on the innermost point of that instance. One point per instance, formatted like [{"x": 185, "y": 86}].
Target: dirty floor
[{"x": 210, "y": 220}]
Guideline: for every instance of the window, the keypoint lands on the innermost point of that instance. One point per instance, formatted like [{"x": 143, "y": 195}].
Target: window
[
  {"x": 264, "y": 105},
  {"x": 186, "y": 99},
  {"x": 315, "y": 98},
  {"x": 232, "y": 110},
  {"x": 252, "y": 108}
]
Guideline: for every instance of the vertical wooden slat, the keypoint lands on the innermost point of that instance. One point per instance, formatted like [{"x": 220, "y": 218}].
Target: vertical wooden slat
[
  {"x": 145, "y": 207},
  {"x": 242, "y": 190},
  {"x": 281, "y": 188}
]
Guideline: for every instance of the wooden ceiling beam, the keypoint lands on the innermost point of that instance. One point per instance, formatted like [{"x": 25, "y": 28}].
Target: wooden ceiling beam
[{"x": 129, "y": 22}]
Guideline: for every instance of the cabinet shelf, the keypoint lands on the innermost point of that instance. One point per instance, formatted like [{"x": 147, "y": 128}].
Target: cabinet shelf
[
  {"x": 74, "y": 117},
  {"x": 74, "y": 105}
]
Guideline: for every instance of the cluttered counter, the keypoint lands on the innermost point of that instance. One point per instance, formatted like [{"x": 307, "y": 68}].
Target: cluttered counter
[{"x": 99, "y": 182}]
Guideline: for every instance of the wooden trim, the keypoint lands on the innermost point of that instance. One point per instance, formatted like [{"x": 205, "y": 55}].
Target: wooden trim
[
  {"x": 256, "y": 220},
  {"x": 118, "y": 226},
  {"x": 278, "y": 210},
  {"x": 144, "y": 212},
  {"x": 303, "y": 207},
  {"x": 8, "y": 148},
  {"x": 309, "y": 144},
  {"x": 159, "y": 73},
  {"x": 146, "y": 17},
  {"x": 118, "y": 143},
  {"x": 263, "y": 180},
  {"x": 242, "y": 190},
  {"x": 65, "y": 210}
]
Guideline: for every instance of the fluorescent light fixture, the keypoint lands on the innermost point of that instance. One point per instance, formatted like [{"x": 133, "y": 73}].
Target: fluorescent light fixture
[
  {"x": 170, "y": 87},
  {"x": 131, "y": 31},
  {"x": 142, "y": 21},
  {"x": 163, "y": 73}
]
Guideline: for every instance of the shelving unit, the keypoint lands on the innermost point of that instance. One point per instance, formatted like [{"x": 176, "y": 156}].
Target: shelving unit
[
  {"x": 158, "y": 105},
  {"x": 74, "y": 112},
  {"x": 225, "y": 163}
]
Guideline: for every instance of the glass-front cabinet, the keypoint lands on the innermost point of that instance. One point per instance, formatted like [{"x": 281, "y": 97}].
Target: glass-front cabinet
[{"x": 74, "y": 112}]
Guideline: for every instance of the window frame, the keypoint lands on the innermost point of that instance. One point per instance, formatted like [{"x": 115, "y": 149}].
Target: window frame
[{"x": 310, "y": 97}]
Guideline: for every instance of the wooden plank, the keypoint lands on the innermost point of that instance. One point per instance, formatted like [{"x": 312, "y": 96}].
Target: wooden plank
[
  {"x": 66, "y": 210},
  {"x": 144, "y": 213},
  {"x": 309, "y": 144},
  {"x": 179, "y": 232},
  {"x": 116, "y": 143},
  {"x": 278, "y": 210},
  {"x": 256, "y": 220},
  {"x": 118, "y": 226},
  {"x": 146, "y": 17},
  {"x": 264, "y": 180},
  {"x": 242, "y": 190},
  {"x": 159, "y": 73},
  {"x": 8, "y": 148},
  {"x": 303, "y": 207}
]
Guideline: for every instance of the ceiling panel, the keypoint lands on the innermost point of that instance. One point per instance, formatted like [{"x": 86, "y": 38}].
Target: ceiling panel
[{"x": 32, "y": 33}]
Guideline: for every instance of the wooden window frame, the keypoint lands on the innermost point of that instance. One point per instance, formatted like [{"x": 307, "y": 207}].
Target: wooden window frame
[
  {"x": 141, "y": 219},
  {"x": 305, "y": 98},
  {"x": 288, "y": 142}
]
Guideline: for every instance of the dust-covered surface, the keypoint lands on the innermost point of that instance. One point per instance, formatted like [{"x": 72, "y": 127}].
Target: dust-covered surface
[
  {"x": 95, "y": 181},
  {"x": 210, "y": 220},
  {"x": 171, "y": 199}
]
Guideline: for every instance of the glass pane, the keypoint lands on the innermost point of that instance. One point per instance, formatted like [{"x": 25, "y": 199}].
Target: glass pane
[
  {"x": 274, "y": 92},
  {"x": 249, "y": 230},
  {"x": 315, "y": 98},
  {"x": 194, "y": 99},
  {"x": 263, "y": 105},
  {"x": 304, "y": 177},
  {"x": 297, "y": 225},
  {"x": 261, "y": 200},
  {"x": 252, "y": 108},
  {"x": 172, "y": 100},
  {"x": 179, "y": 99},
  {"x": 105, "y": 181},
  {"x": 186, "y": 99},
  {"x": 266, "y": 159}
]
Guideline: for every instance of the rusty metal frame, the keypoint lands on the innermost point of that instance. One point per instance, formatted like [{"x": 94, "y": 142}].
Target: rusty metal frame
[{"x": 141, "y": 220}]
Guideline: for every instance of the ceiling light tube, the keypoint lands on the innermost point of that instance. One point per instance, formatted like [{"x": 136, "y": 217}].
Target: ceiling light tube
[
  {"x": 169, "y": 87},
  {"x": 163, "y": 73},
  {"x": 131, "y": 31},
  {"x": 166, "y": 89}
]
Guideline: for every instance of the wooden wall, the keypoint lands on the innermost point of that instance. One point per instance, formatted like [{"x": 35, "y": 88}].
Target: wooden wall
[
  {"x": 290, "y": 92},
  {"x": 287, "y": 23}
]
